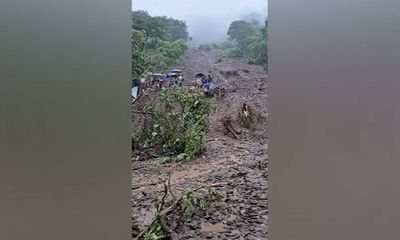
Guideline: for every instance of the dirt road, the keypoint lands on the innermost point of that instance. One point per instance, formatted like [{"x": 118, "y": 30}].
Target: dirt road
[{"x": 239, "y": 166}]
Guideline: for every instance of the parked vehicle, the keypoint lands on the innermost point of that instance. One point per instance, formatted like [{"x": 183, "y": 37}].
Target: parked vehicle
[{"x": 176, "y": 71}]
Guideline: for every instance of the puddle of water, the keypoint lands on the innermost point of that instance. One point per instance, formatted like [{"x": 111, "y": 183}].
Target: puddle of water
[{"x": 219, "y": 227}]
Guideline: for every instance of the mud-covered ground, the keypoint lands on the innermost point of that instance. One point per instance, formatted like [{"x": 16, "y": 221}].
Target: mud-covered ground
[{"x": 238, "y": 166}]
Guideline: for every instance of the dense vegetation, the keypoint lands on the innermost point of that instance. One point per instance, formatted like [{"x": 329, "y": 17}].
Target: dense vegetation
[
  {"x": 246, "y": 39},
  {"x": 250, "y": 39},
  {"x": 177, "y": 127},
  {"x": 157, "y": 42}
]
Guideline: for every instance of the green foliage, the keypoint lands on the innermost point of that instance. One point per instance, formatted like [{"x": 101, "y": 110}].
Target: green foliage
[
  {"x": 152, "y": 26},
  {"x": 167, "y": 29},
  {"x": 170, "y": 50},
  {"x": 176, "y": 30},
  {"x": 188, "y": 203},
  {"x": 178, "y": 125},
  {"x": 191, "y": 202},
  {"x": 138, "y": 59},
  {"x": 157, "y": 42},
  {"x": 250, "y": 38},
  {"x": 264, "y": 30},
  {"x": 162, "y": 160},
  {"x": 240, "y": 31},
  {"x": 227, "y": 45},
  {"x": 214, "y": 195},
  {"x": 234, "y": 53},
  {"x": 155, "y": 232},
  {"x": 258, "y": 50}
]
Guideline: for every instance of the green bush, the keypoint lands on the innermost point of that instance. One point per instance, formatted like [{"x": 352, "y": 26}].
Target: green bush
[
  {"x": 258, "y": 50},
  {"x": 178, "y": 125}
]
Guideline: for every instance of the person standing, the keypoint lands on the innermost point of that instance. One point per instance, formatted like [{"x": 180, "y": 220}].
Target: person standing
[
  {"x": 135, "y": 88},
  {"x": 209, "y": 80},
  {"x": 142, "y": 83},
  {"x": 180, "y": 79},
  {"x": 165, "y": 79}
]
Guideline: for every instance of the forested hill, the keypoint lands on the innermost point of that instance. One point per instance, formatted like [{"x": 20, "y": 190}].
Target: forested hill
[{"x": 157, "y": 42}]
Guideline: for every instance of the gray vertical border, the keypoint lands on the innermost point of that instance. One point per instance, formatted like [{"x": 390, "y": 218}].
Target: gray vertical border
[
  {"x": 64, "y": 119},
  {"x": 334, "y": 142}
]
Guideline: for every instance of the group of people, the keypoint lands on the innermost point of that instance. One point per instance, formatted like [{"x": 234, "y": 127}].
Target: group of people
[
  {"x": 205, "y": 83},
  {"x": 157, "y": 80},
  {"x": 173, "y": 78},
  {"x": 176, "y": 79}
]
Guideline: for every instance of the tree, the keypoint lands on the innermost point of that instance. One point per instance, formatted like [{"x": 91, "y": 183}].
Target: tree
[
  {"x": 138, "y": 43},
  {"x": 153, "y": 26},
  {"x": 157, "y": 42},
  {"x": 251, "y": 41},
  {"x": 160, "y": 27},
  {"x": 240, "y": 31},
  {"x": 264, "y": 30},
  {"x": 258, "y": 50},
  {"x": 176, "y": 30}
]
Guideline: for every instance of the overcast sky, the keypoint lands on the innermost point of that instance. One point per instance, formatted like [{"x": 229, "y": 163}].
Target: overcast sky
[{"x": 207, "y": 19}]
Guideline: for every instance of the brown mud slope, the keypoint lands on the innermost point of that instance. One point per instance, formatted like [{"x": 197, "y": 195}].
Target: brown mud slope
[{"x": 237, "y": 164}]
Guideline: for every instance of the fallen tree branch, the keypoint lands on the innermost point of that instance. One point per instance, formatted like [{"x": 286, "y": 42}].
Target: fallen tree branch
[
  {"x": 203, "y": 186},
  {"x": 161, "y": 205},
  {"x": 230, "y": 129},
  {"x": 227, "y": 122},
  {"x": 169, "y": 186},
  {"x": 161, "y": 214},
  {"x": 162, "y": 217},
  {"x": 134, "y": 100}
]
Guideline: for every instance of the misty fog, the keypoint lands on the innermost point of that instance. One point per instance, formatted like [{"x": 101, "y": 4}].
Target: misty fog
[{"x": 208, "y": 20}]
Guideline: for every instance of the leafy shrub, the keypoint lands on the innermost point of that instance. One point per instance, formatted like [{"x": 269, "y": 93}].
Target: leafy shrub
[
  {"x": 178, "y": 125},
  {"x": 258, "y": 50}
]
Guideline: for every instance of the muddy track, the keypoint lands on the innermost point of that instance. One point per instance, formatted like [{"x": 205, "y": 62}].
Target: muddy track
[{"x": 239, "y": 166}]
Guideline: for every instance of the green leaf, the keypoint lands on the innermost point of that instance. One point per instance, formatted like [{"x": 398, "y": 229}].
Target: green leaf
[
  {"x": 181, "y": 157},
  {"x": 162, "y": 160}
]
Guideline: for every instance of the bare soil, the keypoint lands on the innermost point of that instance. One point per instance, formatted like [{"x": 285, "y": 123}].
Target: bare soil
[{"x": 238, "y": 166}]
